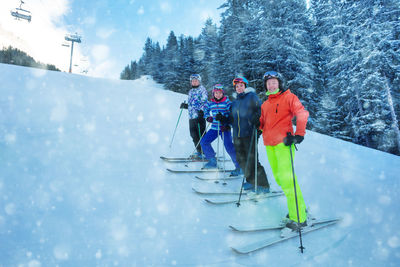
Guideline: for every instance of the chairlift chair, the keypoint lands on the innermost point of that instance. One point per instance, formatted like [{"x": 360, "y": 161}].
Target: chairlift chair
[
  {"x": 20, "y": 13},
  {"x": 73, "y": 38}
]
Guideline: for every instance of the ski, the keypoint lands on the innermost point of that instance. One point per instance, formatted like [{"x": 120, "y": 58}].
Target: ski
[
  {"x": 182, "y": 160},
  {"x": 253, "y": 228},
  {"x": 199, "y": 170},
  {"x": 186, "y": 160},
  {"x": 271, "y": 241},
  {"x": 223, "y": 191},
  {"x": 251, "y": 197},
  {"x": 228, "y": 191},
  {"x": 216, "y": 178}
]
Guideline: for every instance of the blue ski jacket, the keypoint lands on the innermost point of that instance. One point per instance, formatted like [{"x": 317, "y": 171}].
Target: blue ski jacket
[
  {"x": 222, "y": 106},
  {"x": 242, "y": 110}
]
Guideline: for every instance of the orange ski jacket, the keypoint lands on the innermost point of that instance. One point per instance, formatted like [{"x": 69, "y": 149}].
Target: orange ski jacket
[{"x": 277, "y": 114}]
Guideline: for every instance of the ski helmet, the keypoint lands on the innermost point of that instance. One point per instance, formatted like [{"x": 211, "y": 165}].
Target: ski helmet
[
  {"x": 218, "y": 87},
  {"x": 195, "y": 77},
  {"x": 272, "y": 75},
  {"x": 240, "y": 80}
]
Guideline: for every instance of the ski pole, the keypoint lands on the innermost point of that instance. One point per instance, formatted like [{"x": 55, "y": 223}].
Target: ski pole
[
  {"x": 218, "y": 149},
  {"x": 295, "y": 196},
  {"x": 201, "y": 148},
  {"x": 173, "y": 136},
  {"x": 223, "y": 154},
  {"x": 245, "y": 169},
  {"x": 198, "y": 143},
  {"x": 255, "y": 161}
]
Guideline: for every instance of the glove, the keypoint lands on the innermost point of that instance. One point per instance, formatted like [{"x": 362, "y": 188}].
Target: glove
[
  {"x": 221, "y": 118},
  {"x": 225, "y": 128},
  {"x": 184, "y": 105},
  {"x": 255, "y": 120},
  {"x": 210, "y": 119},
  {"x": 292, "y": 139},
  {"x": 298, "y": 139},
  {"x": 200, "y": 114}
]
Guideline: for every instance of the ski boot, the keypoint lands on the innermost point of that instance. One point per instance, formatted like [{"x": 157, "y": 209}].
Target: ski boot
[{"x": 211, "y": 164}]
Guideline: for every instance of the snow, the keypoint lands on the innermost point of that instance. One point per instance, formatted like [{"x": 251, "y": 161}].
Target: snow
[{"x": 81, "y": 184}]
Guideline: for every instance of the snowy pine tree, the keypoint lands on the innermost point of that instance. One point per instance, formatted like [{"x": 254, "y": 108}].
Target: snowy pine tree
[
  {"x": 232, "y": 37},
  {"x": 327, "y": 31},
  {"x": 206, "y": 51},
  {"x": 286, "y": 47},
  {"x": 171, "y": 60}
]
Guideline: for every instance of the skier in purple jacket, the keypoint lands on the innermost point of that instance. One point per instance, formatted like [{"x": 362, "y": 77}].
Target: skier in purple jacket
[{"x": 196, "y": 103}]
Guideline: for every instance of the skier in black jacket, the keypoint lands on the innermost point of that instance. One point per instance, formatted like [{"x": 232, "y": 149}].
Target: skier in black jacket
[{"x": 245, "y": 118}]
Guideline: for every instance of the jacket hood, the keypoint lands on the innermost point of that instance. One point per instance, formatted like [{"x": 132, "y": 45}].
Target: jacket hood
[{"x": 247, "y": 90}]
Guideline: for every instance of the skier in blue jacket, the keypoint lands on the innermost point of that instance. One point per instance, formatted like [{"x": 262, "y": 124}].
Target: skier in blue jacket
[
  {"x": 219, "y": 109},
  {"x": 196, "y": 102},
  {"x": 244, "y": 116}
]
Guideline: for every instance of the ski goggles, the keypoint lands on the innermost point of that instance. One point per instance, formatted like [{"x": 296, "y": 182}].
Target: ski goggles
[
  {"x": 239, "y": 80},
  {"x": 271, "y": 74},
  {"x": 218, "y": 87},
  {"x": 195, "y": 77}
]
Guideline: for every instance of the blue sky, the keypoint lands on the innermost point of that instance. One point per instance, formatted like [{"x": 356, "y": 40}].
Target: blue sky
[{"x": 113, "y": 31}]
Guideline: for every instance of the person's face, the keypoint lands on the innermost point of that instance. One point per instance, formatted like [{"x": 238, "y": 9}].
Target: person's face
[
  {"x": 240, "y": 87},
  {"x": 272, "y": 85},
  {"x": 218, "y": 94},
  {"x": 195, "y": 82}
]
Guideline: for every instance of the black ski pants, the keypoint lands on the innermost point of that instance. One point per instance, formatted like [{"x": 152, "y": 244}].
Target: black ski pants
[
  {"x": 197, "y": 128},
  {"x": 242, "y": 148}
]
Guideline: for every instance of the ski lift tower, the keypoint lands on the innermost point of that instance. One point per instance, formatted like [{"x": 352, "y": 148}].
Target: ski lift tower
[{"x": 73, "y": 38}]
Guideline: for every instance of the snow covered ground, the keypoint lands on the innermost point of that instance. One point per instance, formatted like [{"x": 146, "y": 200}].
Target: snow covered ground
[{"x": 81, "y": 184}]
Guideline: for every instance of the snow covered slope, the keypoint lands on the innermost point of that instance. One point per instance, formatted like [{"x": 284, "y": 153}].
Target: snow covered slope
[{"x": 81, "y": 184}]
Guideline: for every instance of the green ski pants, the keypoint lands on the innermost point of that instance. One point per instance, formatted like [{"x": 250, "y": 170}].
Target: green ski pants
[{"x": 280, "y": 162}]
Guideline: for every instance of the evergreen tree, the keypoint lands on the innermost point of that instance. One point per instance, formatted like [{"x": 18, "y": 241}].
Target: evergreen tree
[
  {"x": 15, "y": 56},
  {"x": 170, "y": 75},
  {"x": 157, "y": 63},
  {"x": 327, "y": 31},
  {"x": 147, "y": 57},
  {"x": 186, "y": 65},
  {"x": 125, "y": 74},
  {"x": 286, "y": 48},
  {"x": 373, "y": 124},
  {"x": 251, "y": 52},
  {"x": 231, "y": 37},
  {"x": 206, "y": 53}
]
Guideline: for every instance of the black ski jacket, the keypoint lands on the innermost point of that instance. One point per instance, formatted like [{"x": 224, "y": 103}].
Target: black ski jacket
[{"x": 241, "y": 113}]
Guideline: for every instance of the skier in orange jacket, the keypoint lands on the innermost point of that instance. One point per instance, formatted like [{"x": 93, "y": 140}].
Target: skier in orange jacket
[{"x": 277, "y": 113}]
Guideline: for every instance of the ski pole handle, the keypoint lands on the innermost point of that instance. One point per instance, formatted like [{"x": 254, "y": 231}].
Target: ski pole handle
[{"x": 289, "y": 134}]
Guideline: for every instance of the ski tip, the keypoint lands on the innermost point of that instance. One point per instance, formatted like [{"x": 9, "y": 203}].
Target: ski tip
[
  {"x": 196, "y": 191},
  {"x": 233, "y": 228},
  {"x": 239, "y": 251}
]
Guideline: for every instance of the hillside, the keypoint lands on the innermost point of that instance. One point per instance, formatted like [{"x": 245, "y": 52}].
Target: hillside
[{"x": 81, "y": 184}]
